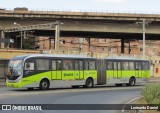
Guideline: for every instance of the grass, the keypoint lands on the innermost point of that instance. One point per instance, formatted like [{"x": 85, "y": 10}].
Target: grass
[{"x": 151, "y": 95}]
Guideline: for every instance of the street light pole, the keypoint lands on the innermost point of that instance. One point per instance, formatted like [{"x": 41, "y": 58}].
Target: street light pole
[
  {"x": 144, "y": 32},
  {"x": 144, "y": 23},
  {"x": 21, "y": 33},
  {"x": 56, "y": 37}
]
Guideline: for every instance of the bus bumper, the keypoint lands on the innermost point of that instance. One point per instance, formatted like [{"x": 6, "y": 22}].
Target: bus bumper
[{"x": 14, "y": 84}]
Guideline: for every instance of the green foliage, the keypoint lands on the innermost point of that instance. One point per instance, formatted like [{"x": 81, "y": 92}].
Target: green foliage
[
  {"x": 28, "y": 43},
  {"x": 151, "y": 93}
]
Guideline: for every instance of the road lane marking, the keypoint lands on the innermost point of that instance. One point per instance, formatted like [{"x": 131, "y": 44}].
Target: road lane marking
[{"x": 64, "y": 91}]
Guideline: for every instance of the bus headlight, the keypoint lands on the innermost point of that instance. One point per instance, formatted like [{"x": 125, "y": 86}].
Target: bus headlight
[{"x": 19, "y": 73}]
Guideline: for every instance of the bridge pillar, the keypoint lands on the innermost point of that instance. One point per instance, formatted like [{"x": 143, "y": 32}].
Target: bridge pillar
[
  {"x": 122, "y": 46},
  {"x": 2, "y": 36},
  {"x": 129, "y": 47}
]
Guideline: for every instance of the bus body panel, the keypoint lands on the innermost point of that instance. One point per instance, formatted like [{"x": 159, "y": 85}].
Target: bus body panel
[
  {"x": 101, "y": 74},
  {"x": 90, "y": 73}
]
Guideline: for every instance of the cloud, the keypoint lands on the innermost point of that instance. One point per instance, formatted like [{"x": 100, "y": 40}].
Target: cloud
[{"x": 111, "y": 1}]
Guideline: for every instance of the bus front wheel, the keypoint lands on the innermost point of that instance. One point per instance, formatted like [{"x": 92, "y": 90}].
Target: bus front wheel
[
  {"x": 44, "y": 84},
  {"x": 132, "y": 81},
  {"x": 89, "y": 83}
]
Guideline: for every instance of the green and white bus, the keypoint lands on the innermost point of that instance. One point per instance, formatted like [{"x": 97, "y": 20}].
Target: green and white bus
[{"x": 54, "y": 71}]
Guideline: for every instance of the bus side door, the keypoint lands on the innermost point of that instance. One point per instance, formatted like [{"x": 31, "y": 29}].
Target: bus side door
[
  {"x": 56, "y": 70},
  {"x": 117, "y": 70},
  {"x": 68, "y": 70},
  {"x": 78, "y": 69},
  {"x": 138, "y": 68}
]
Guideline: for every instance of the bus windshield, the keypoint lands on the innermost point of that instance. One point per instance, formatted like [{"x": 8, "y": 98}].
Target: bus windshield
[{"x": 16, "y": 67}]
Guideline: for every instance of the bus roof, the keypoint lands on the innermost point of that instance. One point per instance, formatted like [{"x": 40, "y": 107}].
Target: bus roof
[
  {"x": 52, "y": 55},
  {"x": 124, "y": 58}
]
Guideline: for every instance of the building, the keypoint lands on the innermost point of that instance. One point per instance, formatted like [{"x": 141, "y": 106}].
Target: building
[{"x": 99, "y": 45}]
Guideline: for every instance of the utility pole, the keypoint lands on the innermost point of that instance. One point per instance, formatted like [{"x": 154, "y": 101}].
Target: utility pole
[
  {"x": 144, "y": 32},
  {"x": 144, "y": 38}
]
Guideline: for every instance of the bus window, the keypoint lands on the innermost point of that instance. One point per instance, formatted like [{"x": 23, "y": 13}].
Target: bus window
[
  {"x": 138, "y": 66},
  {"x": 92, "y": 65},
  {"x": 86, "y": 67},
  {"x": 59, "y": 65},
  {"x": 54, "y": 65},
  {"x": 119, "y": 65},
  {"x": 109, "y": 65},
  {"x": 131, "y": 65},
  {"x": 78, "y": 65},
  {"x": 145, "y": 66},
  {"x": 42, "y": 64},
  {"x": 68, "y": 65},
  {"x": 29, "y": 66},
  {"x": 115, "y": 66},
  {"x": 125, "y": 65}
]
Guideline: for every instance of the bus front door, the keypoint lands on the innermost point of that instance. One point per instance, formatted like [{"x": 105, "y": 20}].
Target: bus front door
[
  {"x": 138, "y": 69},
  {"x": 56, "y": 70}
]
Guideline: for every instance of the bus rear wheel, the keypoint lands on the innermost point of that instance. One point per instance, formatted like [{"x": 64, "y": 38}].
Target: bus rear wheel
[
  {"x": 44, "y": 84},
  {"x": 132, "y": 82},
  {"x": 118, "y": 84},
  {"x": 89, "y": 83},
  {"x": 30, "y": 88}
]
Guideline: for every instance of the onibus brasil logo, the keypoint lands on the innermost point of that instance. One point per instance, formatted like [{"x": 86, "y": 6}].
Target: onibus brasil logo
[{"x": 21, "y": 107}]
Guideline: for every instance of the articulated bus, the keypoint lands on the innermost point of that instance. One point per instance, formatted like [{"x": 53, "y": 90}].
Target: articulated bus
[{"x": 52, "y": 71}]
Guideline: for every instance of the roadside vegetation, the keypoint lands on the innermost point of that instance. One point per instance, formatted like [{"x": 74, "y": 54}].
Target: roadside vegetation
[{"x": 151, "y": 93}]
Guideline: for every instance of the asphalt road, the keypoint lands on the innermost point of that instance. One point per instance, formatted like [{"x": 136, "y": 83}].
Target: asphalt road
[{"x": 98, "y": 95}]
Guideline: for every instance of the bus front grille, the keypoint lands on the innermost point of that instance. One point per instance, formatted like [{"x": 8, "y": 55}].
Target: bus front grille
[{"x": 12, "y": 77}]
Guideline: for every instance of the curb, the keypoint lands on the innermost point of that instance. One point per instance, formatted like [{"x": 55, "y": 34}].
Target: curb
[{"x": 154, "y": 79}]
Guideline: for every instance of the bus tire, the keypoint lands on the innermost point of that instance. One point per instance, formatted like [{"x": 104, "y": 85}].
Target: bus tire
[
  {"x": 30, "y": 88},
  {"x": 89, "y": 83},
  {"x": 75, "y": 86},
  {"x": 132, "y": 81},
  {"x": 118, "y": 84},
  {"x": 44, "y": 84}
]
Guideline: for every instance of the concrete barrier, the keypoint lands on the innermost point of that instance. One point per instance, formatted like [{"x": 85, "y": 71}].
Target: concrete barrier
[{"x": 10, "y": 53}]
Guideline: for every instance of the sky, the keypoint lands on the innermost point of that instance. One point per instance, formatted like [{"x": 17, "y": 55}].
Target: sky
[{"x": 127, "y": 6}]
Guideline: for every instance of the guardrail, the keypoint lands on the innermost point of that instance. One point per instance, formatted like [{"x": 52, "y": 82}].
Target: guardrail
[
  {"x": 95, "y": 11},
  {"x": 83, "y": 12}
]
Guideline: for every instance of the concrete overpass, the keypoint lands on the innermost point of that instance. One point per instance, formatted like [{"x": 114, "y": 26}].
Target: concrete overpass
[{"x": 82, "y": 24}]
